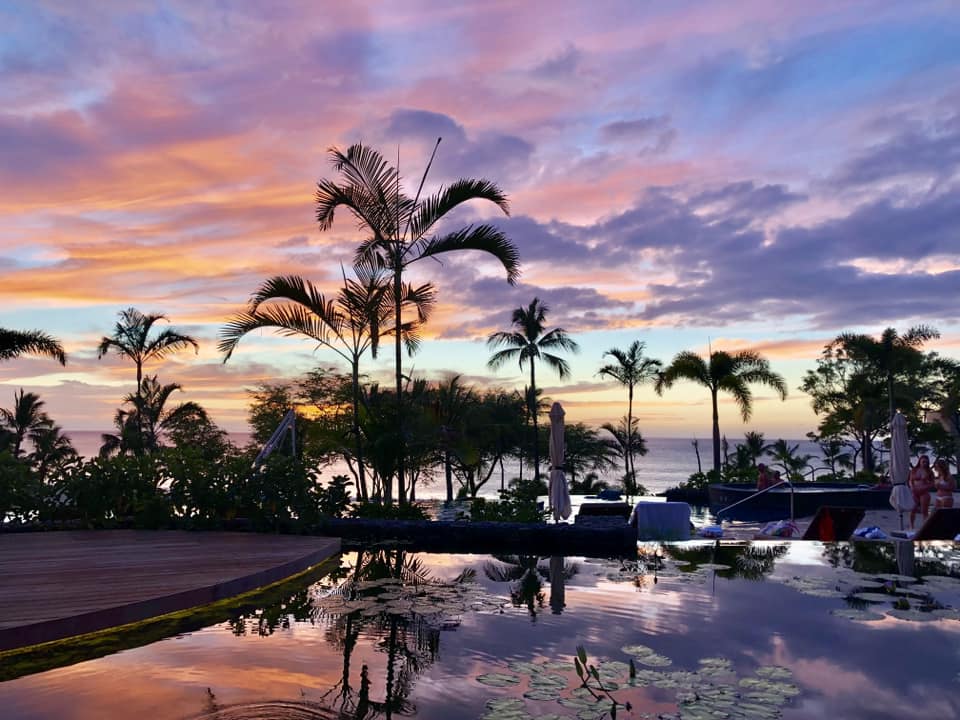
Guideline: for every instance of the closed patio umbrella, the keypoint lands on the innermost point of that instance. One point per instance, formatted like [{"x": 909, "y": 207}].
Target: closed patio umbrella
[
  {"x": 901, "y": 498},
  {"x": 559, "y": 492}
]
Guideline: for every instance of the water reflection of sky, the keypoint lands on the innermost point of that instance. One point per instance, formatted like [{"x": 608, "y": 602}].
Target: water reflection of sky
[{"x": 891, "y": 668}]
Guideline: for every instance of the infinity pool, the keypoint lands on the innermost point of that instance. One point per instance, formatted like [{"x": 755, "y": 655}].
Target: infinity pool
[{"x": 761, "y": 630}]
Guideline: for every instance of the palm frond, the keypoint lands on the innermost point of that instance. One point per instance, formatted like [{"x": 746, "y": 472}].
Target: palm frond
[
  {"x": 484, "y": 238},
  {"x": 433, "y": 209}
]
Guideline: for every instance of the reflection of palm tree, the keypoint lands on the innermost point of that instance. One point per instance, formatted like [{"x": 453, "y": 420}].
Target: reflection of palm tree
[
  {"x": 730, "y": 372},
  {"x": 526, "y": 573},
  {"x": 530, "y": 342},
  {"x": 747, "y": 561}
]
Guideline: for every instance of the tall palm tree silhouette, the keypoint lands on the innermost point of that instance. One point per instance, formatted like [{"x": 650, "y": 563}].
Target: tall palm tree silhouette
[
  {"x": 632, "y": 368},
  {"x": 350, "y": 325},
  {"x": 131, "y": 338},
  {"x": 730, "y": 372},
  {"x": 891, "y": 355},
  {"x": 403, "y": 229},
  {"x": 529, "y": 342}
]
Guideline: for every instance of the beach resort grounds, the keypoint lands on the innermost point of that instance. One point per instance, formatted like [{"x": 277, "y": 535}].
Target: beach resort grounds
[{"x": 689, "y": 630}]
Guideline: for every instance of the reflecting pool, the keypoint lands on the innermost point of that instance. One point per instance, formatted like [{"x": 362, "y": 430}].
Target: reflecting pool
[{"x": 694, "y": 630}]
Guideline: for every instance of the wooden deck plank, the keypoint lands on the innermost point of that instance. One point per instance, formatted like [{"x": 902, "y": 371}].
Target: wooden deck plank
[{"x": 58, "y": 584}]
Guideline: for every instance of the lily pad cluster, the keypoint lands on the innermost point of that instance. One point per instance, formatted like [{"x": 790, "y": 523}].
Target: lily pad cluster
[
  {"x": 390, "y": 596},
  {"x": 871, "y": 598},
  {"x": 713, "y": 691}
]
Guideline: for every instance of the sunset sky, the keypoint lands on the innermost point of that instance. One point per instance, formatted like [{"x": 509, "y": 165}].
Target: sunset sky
[{"x": 750, "y": 175}]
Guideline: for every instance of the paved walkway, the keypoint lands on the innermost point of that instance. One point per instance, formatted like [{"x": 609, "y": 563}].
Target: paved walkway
[{"x": 59, "y": 584}]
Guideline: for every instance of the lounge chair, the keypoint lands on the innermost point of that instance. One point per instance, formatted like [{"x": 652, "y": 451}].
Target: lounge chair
[
  {"x": 941, "y": 524},
  {"x": 834, "y": 523}
]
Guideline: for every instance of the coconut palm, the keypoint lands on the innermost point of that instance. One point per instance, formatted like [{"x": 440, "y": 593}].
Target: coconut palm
[
  {"x": 131, "y": 338},
  {"x": 402, "y": 230},
  {"x": 349, "y": 325},
  {"x": 632, "y": 368},
  {"x": 755, "y": 446},
  {"x": 51, "y": 448},
  {"x": 892, "y": 355},
  {"x": 730, "y": 372},
  {"x": 27, "y": 415},
  {"x": 530, "y": 342},
  {"x": 14, "y": 343},
  {"x": 143, "y": 427}
]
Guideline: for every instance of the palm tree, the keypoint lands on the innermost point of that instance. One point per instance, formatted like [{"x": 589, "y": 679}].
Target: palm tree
[
  {"x": 14, "y": 343},
  {"x": 732, "y": 373},
  {"x": 131, "y": 338},
  {"x": 349, "y": 325},
  {"x": 630, "y": 370},
  {"x": 892, "y": 355},
  {"x": 755, "y": 446},
  {"x": 527, "y": 343},
  {"x": 142, "y": 428},
  {"x": 402, "y": 229},
  {"x": 26, "y": 416},
  {"x": 620, "y": 440}
]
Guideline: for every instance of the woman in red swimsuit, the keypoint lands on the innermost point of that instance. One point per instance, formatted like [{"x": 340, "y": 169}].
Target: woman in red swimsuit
[{"x": 921, "y": 483}]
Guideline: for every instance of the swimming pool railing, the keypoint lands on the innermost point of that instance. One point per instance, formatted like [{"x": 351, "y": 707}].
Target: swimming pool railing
[{"x": 758, "y": 493}]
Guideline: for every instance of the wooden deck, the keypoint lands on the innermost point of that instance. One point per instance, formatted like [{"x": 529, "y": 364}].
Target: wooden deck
[{"x": 60, "y": 584}]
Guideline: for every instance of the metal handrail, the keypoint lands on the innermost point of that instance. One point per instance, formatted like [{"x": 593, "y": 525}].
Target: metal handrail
[{"x": 758, "y": 493}]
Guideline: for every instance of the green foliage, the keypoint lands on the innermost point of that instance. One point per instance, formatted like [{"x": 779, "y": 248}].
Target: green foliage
[
  {"x": 701, "y": 481},
  {"x": 379, "y": 511},
  {"x": 518, "y": 503},
  {"x": 19, "y": 490},
  {"x": 334, "y": 498}
]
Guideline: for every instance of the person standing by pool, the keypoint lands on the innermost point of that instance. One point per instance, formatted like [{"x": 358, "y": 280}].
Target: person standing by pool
[
  {"x": 763, "y": 477},
  {"x": 945, "y": 485},
  {"x": 921, "y": 483}
]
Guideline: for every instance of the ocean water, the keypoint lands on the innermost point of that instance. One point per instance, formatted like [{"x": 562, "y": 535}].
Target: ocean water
[{"x": 668, "y": 462}]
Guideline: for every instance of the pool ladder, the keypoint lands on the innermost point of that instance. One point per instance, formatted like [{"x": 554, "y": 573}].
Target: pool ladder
[{"x": 757, "y": 494}]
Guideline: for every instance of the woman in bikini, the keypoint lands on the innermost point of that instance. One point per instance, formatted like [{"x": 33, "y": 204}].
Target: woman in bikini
[
  {"x": 945, "y": 485},
  {"x": 921, "y": 483}
]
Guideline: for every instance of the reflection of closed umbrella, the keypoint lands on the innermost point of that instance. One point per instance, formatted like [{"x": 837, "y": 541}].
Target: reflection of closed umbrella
[
  {"x": 557, "y": 585},
  {"x": 900, "y": 497},
  {"x": 559, "y": 492}
]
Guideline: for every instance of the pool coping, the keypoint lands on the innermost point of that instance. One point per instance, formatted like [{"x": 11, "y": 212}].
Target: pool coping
[{"x": 35, "y": 633}]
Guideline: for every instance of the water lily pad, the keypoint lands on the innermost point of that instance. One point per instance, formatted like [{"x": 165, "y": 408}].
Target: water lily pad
[
  {"x": 541, "y": 694},
  {"x": 498, "y": 679},
  {"x": 855, "y": 614},
  {"x": 646, "y": 656},
  {"x": 774, "y": 672},
  {"x": 872, "y": 597},
  {"x": 899, "y": 579},
  {"x": 769, "y": 688},
  {"x": 912, "y": 615},
  {"x": 524, "y": 668},
  {"x": 507, "y": 715},
  {"x": 554, "y": 682}
]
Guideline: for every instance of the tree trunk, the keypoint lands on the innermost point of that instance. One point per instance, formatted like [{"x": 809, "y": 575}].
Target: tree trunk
[
  {"x": 716, "y": 433},
  {"x": 536, "y": 431},
  {"x": 362, "y": 480},
  {"x": 401, "y": 449},
  {"x": 448, "y": 472},
  {"x": 631, "y": 470}
]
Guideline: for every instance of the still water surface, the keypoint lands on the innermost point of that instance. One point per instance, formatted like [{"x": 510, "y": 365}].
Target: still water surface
[{"x": 800, "y": 630}]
